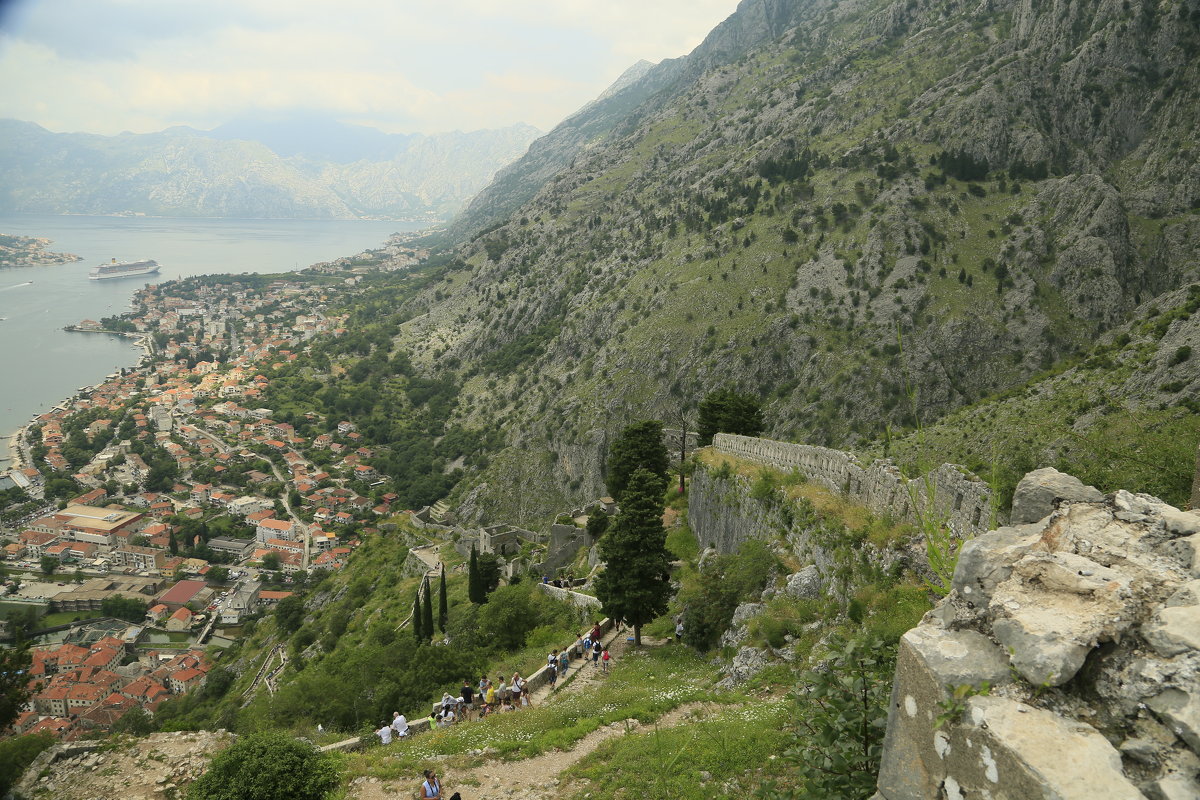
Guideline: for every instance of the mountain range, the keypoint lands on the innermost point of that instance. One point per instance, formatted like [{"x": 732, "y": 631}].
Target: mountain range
[
  {"x": 281, "y": 166},
  {"x": 871, "y": 213}
]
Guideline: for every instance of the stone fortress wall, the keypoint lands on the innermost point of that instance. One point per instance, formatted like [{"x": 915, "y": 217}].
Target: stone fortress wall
[{"x": 954, "y": 493}]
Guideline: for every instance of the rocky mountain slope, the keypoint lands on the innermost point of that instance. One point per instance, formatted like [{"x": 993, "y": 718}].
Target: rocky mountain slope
[
  {"x": 868, "y": 211},
  {"x": 184, "y": 172}
]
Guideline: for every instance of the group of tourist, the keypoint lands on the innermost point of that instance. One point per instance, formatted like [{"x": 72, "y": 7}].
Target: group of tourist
[{"x": 488, "y": 697}]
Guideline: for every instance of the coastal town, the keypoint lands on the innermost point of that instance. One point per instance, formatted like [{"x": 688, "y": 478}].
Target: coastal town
[
  {"x": 151, "y": 518},
  {"x": 30, "y": 251}
]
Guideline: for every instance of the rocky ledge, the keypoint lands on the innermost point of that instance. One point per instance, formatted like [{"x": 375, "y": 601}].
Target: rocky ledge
[
  {"x": 154, "y": 767},
  {"x": 1064, "y": 662}
]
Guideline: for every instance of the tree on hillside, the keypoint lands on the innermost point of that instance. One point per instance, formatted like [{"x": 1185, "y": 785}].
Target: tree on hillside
[
  {"x": 14, "y": 682},
  {"x": 443, "y": 607},
  {"x": 640, "y": 446},
  {"x": 289, "y": 614},
  {"x": 727, "y": 411},
  {"x": 125, "y": 608},
  {"x": 267, "y": 766},
  {"x": 475, "y": 591},
  {"x": 635, "y": 585},
  {"x": 418, "y": 634},
  {"x": 427, "y": 611}
]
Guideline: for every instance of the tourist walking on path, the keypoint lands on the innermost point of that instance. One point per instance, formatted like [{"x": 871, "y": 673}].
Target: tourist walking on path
[
  {"x": 597, "y": 648},
  {"x": 604, "y": 659},
  {"x": 520, "y": 696}
]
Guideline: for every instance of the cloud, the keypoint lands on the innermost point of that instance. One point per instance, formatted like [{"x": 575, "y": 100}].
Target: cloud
[{"x": 142, "y": 65}]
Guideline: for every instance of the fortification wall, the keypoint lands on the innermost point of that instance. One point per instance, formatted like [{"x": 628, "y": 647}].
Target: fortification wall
[{"x": 950, "y": 491}]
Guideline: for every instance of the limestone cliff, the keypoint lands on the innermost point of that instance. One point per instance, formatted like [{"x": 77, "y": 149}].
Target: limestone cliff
[{"x": 1064, "y": 663}]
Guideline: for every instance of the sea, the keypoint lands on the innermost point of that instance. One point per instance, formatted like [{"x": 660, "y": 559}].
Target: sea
[{"x": 41, "y": 364}]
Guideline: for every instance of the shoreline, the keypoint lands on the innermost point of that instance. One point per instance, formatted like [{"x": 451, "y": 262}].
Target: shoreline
[{"x": 14, "y": 458}]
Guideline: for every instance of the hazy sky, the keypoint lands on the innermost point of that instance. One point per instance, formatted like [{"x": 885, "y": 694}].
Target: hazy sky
[{"x": 106, "y": 66}]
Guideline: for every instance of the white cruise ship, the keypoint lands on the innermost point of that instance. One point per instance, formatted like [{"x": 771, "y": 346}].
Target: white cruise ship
[{"x": 124, "y": 269}]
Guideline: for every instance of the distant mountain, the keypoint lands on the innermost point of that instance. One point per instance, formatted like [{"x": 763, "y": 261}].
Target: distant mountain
[
  {"x": 318, "y": 137},
  {"x": 268, "y": 167}
]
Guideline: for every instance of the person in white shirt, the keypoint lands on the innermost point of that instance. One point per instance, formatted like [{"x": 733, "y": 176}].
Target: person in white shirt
[
  {"x": 399, "y": 724},
  {"x": 385, "y": 733}
]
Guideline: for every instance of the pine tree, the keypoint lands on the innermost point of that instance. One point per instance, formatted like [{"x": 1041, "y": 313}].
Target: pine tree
[
  {"x": 416, "y": 618},
  {"x": 640, "y": 446},
  {"x": 173, "y": 545},
  {"x": 726, "y": 411},
  {"x": 635, "y": 585},
  {"x": 475, "y": 591},
  {"x": 427, "y": 611},
  {"x": 443, "y": 607}
]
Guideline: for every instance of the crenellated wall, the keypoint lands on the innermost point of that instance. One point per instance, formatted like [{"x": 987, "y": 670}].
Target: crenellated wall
[{"x": 955, "y": 494}]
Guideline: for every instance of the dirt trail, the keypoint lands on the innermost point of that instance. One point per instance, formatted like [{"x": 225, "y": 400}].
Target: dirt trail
[{"x": 534, "y": 778}]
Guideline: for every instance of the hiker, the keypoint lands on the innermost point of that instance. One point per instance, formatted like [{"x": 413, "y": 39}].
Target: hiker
[
  {"x": 596, "y": 650},
  {"x": 679, "y": 631},
  {"x": 564, "y": 661},
  {"x": 502, "y": 690},
  {"x": 520, "y": 696},
  {"x": 431, "y": 789},
  {"x": 384, "y": 733},
  {"x": 468, "y": 695},
  {"x": 604, "y": 659},
  {"x": 399, "y": 724}
]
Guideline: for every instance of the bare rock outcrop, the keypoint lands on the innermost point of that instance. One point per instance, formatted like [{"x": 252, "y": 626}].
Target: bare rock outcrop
[{"x": 1079, "y": 637}]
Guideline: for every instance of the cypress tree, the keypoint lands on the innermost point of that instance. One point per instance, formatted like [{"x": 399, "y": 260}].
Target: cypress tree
[
  {"x": 474, "y": 587},
  {"x": 635, "y": 585},
  {"x": 417, "y": 634},
  {"x": 640, "y": 446},
  {"x": 443, "y": 607},
  {"x": 427, "y": 617}
]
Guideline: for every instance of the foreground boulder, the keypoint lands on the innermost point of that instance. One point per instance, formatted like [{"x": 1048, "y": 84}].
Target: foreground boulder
[{"x": 1064, "y": 662}]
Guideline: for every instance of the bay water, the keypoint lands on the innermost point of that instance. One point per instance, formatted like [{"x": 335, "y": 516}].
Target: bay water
[{"x": 41, "y": 364}]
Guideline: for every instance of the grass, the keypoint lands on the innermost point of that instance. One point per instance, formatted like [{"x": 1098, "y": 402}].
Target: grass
[
  {"x": 63, "y": 617},
  {"x": 642, "y": 685},
  {"x": 735, "y": 747}
]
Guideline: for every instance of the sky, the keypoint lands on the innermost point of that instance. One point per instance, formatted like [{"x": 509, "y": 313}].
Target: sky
[{"x": 403, "y": 66}]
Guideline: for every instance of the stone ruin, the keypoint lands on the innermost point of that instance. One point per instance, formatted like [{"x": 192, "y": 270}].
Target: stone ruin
[
  {"x": 957, "y": 496},
  {"x": 1083, "y": 619}
]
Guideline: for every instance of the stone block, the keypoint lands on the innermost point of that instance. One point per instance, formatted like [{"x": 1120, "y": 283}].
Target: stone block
[
  {"x": 1008, "y": 749},
  {"x": 1040, "y": 492},
  {"x": 986, "y": 560},
  {"x": 1043, "y": 649},
  {"x": 805, "y": 584},
  {"x": 1180, "y": 710},
  {"x": 1177, "y": 787},
  {"x": 930, "y": 663},
  {"x": 1175, "y": 630}
]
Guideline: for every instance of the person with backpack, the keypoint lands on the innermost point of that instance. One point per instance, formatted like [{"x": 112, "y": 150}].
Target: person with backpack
[
  {"x": 518, "y": 691},
  {"x": 431, "y": 789},
  {"x": 597, "y": 649}
]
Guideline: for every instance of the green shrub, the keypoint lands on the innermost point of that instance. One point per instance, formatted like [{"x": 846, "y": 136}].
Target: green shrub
[
  {"x": 18, "y": 753},
  {"x": 727, "y": 580},
  {"x": 267, "y": 766},
  {"x": 840, "y": 717}
]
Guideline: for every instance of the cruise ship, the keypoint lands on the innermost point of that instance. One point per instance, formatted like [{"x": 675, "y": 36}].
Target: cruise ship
[{"x": 124, "y": 269}]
